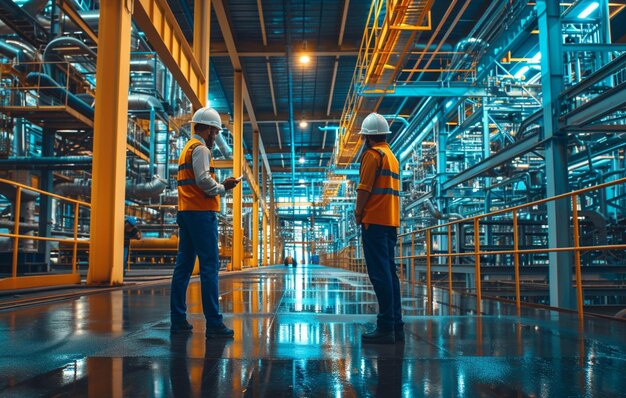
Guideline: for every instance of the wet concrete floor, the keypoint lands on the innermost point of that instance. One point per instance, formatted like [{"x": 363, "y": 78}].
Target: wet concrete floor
[{"x": 297, "y": 334}]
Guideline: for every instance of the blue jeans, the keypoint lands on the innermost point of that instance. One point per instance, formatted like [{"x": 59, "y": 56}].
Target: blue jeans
[
  {"x": 379, "y": 242},
  {"x": 126, "y": 255},
  {"x": 197, "y": 237}
]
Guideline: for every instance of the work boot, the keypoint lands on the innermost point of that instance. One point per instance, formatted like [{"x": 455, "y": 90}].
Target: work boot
[
  {"x": 399, "y": 334},
  {"x": 181, "y": 327},
  {"x": 219, "y": 331},
  {"x": 378, "y": 336}
]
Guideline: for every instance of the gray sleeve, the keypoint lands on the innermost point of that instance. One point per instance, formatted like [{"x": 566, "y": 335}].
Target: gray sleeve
[{"x": 201, "y": 169}]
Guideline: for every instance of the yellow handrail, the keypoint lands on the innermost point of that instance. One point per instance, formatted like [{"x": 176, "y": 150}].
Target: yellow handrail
[
  {"x": 40, "y": 280},
  {"x": 477, "y": 253}
]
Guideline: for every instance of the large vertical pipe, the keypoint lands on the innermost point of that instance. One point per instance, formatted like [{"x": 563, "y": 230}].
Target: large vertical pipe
[
  {"x": 153, "y": 142},
  {"x": 237, "y": 256},
  {"x": 560, "y": 274},
  {"x": 255, "y": 203},
  {"x": 109, "y": 143}
]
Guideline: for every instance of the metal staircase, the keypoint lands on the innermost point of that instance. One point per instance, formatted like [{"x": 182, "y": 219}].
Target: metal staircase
[{"x": 23, "y": 23}]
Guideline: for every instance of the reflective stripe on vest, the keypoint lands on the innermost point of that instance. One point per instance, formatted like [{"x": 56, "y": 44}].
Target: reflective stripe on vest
[
  {"x": 190, "y": 196},
  {"x": 385, "y": 191}
]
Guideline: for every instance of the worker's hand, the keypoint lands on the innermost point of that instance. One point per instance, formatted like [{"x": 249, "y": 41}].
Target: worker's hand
[
  {"x": 230, "y": 183},
  {"x": 358, "y": 218}
]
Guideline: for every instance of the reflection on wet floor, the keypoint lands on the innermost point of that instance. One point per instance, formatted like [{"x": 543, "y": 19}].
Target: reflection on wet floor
[{"x": 297, "y": 334}]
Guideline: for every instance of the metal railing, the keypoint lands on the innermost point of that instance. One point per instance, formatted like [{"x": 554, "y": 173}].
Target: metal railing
[
  {"x": 43, "y": 92},
  {"x": 576, "y": 248},
  {"x": 15, "y": 281},
  {"x": 348, "y": 260}
]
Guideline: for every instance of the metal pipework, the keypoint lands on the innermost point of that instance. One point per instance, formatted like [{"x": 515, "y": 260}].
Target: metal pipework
[
  {"x": 146, "y": 190},
  {"x": 438, "y": 215}
]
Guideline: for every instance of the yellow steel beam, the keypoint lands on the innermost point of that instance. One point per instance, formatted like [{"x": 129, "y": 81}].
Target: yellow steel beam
[
  {"x": 109, "y": 143},
  {"x": 156, "y": 20},
  {"x": 224, "y": 164},
  {"x": 250, "y": 178},
  {"x": 272, "y": 225},
  {"x": 255, "y": 203},
  {"x": 229, "y": 40},
  {"x": 137, "y": 153},
  {"x": 202, "y": 36},
  {"x": 237, "y": 257},
  {"x": 69, "y": 10}
]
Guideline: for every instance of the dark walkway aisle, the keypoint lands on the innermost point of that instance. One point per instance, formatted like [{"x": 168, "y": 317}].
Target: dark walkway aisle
[{"x": 297, "y": 335}]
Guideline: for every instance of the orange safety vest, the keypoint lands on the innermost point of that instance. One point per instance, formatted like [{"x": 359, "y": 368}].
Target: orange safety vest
[
  {"x": 383, "y": 205},
  {"x": 190, "y": 197}
]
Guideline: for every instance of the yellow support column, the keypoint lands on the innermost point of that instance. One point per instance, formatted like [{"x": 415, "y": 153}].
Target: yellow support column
[
  {"x": 255, "y": 203},
  {"x": 272, "y": 225},
  {"x": 266, "y": 240},
  {"x": 201, "y": 41},
  {"x": 109, "y": 143},
  {"x": 237, "y": 255}
]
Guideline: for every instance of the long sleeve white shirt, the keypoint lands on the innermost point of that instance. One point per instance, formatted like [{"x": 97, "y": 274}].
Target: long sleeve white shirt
[{"x": 201, "y": 169}]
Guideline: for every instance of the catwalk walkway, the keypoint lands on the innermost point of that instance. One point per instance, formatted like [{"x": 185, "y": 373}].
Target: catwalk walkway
[{"x": 297, "y": 335}]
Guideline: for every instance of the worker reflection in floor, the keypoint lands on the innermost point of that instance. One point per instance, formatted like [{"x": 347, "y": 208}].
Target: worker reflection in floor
[
  {"x": 378, "y": 212},
  {"x": 198, "y": 205},
  {"x": 213, "y": 368}
]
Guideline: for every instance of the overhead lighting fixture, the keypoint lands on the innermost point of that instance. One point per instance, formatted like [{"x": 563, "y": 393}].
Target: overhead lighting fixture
[
  {"x": 301, "y": 159},
  {"x": 301, "y": 181},
  {"x": 303, "y": 124},
  {"x": 587, "y": 11},
  {"x": 305, "y": 59}
]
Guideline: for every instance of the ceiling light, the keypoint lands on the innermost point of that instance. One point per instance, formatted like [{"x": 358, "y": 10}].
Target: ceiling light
[
  {"x": 305, "y": 59},
  {"x": 301, "y": 159},
  {"x": 587, "y": 11},
  {"x": 301, "y": 181},
  {"x": 303, "y": 124}
]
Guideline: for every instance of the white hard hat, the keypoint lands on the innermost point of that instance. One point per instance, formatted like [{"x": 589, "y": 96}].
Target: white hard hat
[
  {"x": 208, "y": 116},
  {"x": 374, "y": 124}
]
